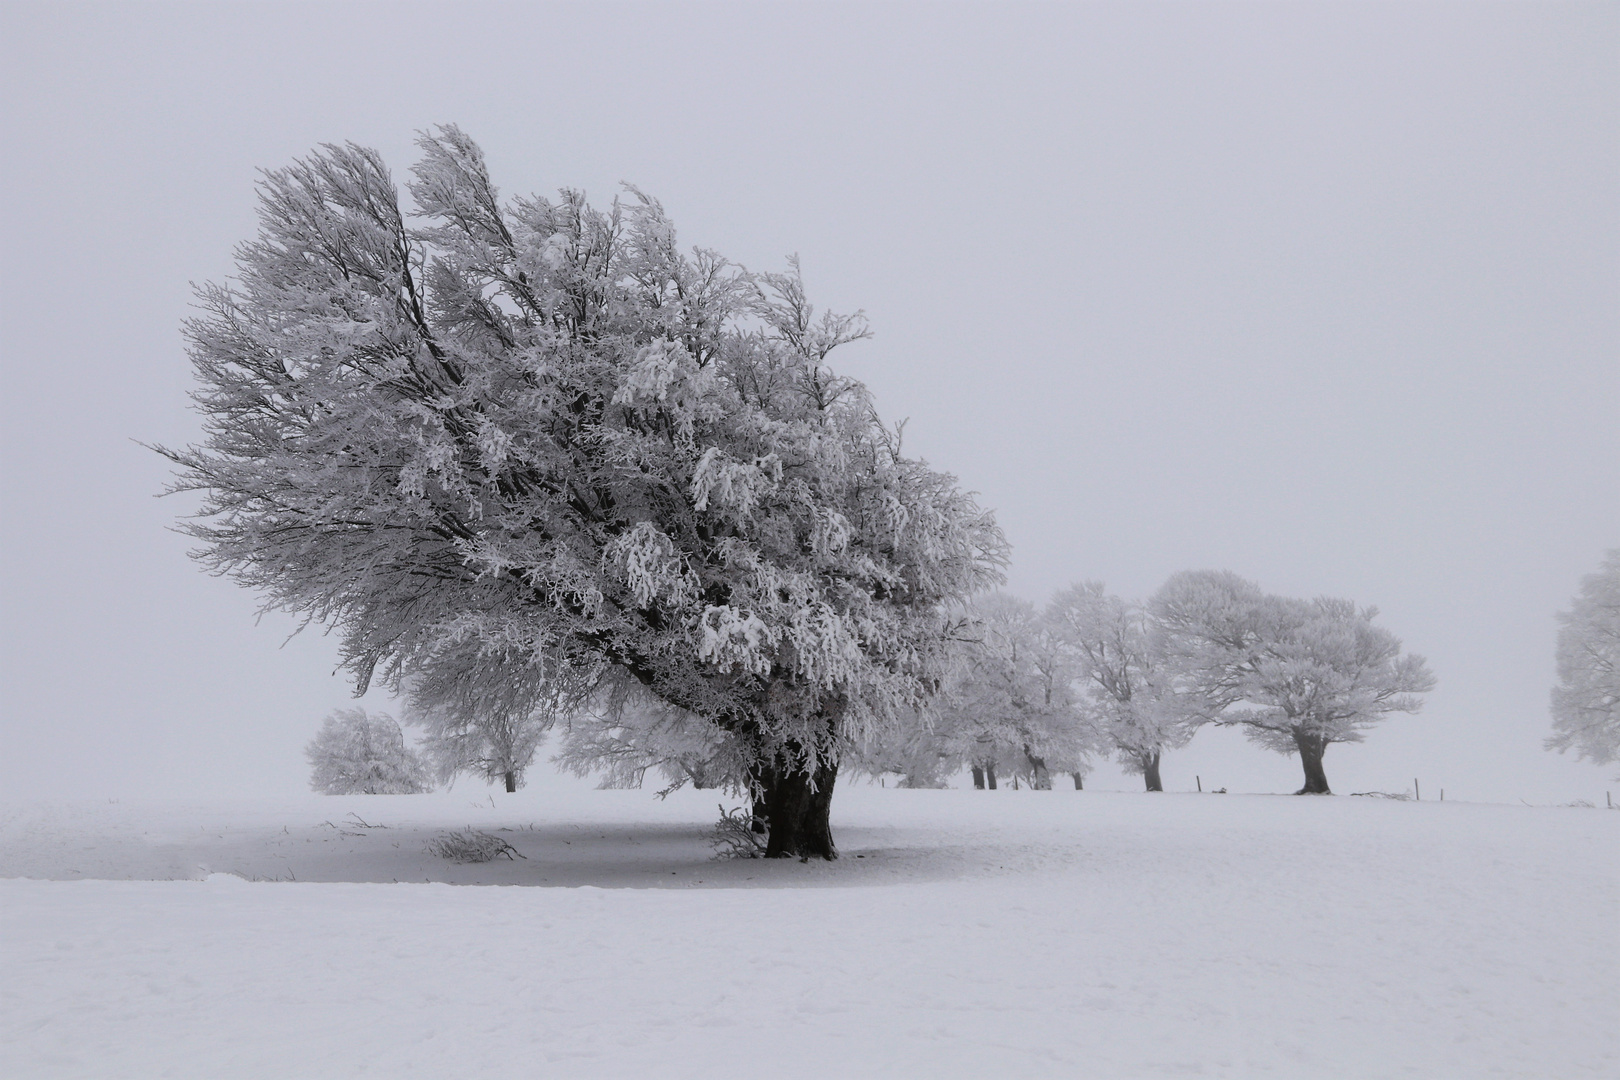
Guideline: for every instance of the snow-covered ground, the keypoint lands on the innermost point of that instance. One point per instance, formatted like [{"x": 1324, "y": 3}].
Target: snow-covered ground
[{"x": 1074, "y": 934}]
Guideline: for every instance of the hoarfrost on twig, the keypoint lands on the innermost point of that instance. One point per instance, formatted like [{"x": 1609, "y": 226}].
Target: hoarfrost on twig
[{"x": 471, "y": 846}]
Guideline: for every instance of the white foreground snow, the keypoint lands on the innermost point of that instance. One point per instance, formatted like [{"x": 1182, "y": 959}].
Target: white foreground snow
[{"x": 964, "y": 933}]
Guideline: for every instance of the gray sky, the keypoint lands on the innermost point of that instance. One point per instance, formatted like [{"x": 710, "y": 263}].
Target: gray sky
[{"x": 1322, "y": 294}]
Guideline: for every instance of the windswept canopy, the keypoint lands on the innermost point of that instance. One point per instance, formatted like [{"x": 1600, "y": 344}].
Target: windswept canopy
[{"x": 530, "y": 433}]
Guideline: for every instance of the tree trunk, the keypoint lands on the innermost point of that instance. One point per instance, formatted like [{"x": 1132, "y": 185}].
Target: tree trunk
[
  {"x": 797, "y": 804},
  {"x": 1150, "y": 770},
  {"x": 1078, "y": 784},
  {"x": 1311, "y": 749},
  {"x": 1042, "y": 778},
  {"x": 759, "y": 814},
  {"x": 990, "y": 776},
  {"x": 978, "y": 778},
  {"x": 511, "y": 780}
]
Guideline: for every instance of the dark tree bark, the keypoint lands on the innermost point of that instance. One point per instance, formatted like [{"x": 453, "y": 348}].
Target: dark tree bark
[
  {"x": 1078, "y": 784},
  {"x": 759, "y": 815},
  {"x": 1150, "y": 770},
  {"x": 511, "y": 780},
  {"x": 978, "y": 778},
  {"x": 990, "y": 776},
  {"x": 1311, "y": 749},
  {"x": 797, "y": 804},
  {"x": 1041, "y": 779}
]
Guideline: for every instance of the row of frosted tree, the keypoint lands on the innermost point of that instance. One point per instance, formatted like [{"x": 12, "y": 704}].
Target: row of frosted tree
[
  {"x": 1033, "y": 695},
  {"x": 1029, "y": 694},
  {"x": 1042, "y": 692}
]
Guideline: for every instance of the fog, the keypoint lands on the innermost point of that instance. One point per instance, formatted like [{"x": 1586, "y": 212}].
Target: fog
[{"x": 1321, "y": 294}]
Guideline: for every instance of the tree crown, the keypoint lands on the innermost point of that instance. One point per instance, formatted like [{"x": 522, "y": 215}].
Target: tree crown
[{"x": 486, "y": 441}]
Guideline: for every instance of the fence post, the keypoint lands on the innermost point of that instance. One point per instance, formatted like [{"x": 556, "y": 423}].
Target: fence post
[
  {"x": 1417, "y": 790},
  {"x": 1200, "y": 781}
]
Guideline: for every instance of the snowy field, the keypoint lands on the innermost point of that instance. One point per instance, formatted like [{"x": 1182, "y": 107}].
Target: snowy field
[{"x": 1010, "y": 933}]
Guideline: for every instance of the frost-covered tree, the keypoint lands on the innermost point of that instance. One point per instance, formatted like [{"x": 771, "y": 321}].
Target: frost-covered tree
[
  {"x": 1068, "y": 737},
  {"x": 1008, "y": 706},
  {"x": 544, "y": 429},
  {"x": 484, "y": 710},
  {"x": 1586, "y": 701},
  {"x": 359, "y": 753},
  {"x": 1125, "y": 693},
  {"x": 626, "y": 732},
  {"x": 918, "y": 751},
  {"x": 498, "y": 747},
  {"x": 1298, "y": 675}
]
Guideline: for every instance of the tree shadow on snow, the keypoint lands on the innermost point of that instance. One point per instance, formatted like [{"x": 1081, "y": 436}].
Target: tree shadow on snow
[{"x": 569, "y": 854}]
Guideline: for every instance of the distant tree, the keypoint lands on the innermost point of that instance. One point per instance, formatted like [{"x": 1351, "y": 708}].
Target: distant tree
[
  {"x": 1586, "y": 701},
  {"x": 1125, "y": 694},
  {"x": 918, "y": 751},
  {"x": 1069, "y": 738},
  {"x": 1008, "y": 705},
  {"x": 1299, "y": 675},
  {"x": 356, "y": 753},
  {"x": 484, "y": 712},
  {"x": 497, "y": 747},
  {"x": 546, "y": 427},
  {"x": 625, "y": 733}
]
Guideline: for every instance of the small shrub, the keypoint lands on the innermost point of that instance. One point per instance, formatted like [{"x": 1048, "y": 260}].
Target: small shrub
[
  {"x": 470, "y": 846},
  {"x": 734, "y": 835}
]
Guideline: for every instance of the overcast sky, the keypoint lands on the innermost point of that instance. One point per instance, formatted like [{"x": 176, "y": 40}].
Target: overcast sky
[{"x": 1322, "y": 294}]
